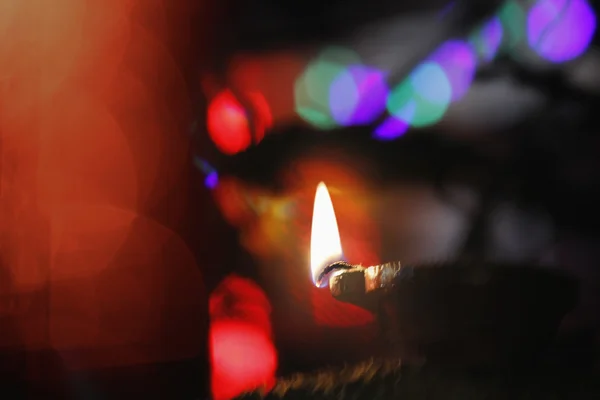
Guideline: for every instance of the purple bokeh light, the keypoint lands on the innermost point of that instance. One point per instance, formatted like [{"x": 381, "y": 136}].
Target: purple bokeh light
[
  {"x": 357, "y": 96},
  {"x": 491, "y": 33},
  {"x": 212, "y": 180},
  {"x": 396, "y": 125},
  {"x": 457, "y": 59},
  {"x": 560, "y": 30}
]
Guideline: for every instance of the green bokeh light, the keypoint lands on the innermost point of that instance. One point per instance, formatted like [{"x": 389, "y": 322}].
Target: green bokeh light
[
  {"x": 311, "y": 90},
  {"x": 513, "y": 20},
  {"x": 427, "y": 92}
]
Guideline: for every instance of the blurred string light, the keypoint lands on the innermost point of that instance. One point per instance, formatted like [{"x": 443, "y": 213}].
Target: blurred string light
[
  {"x": 393, "y": 126},
  {"x": 560, "y": 30},
  {"x": 211, "y": 176},
  {"x": 488, "y": 39},
  {"x": 512, "y": 19},
  {"x": 312, "y": 88},
  {"x": 337, "y": 90},
  {"x": 458, "y": 63},
  {"x": 357, "y": 95},
  {"x": 229, "y": 124},
  {"x": 424, "y": 97}
]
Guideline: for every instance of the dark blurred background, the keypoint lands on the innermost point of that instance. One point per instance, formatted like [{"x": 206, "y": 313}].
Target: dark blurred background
[{"x": 160, "y": 160}]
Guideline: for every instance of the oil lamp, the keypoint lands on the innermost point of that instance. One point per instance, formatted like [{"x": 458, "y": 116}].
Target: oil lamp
[{"x": 462, "y": 313}]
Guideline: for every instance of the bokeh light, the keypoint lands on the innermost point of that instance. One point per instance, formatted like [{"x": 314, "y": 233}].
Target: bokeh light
[
  {"x": 272, "y": 75},
  {"x": 424, "y": 97},
  {"x": 120, "y": 300},
  {"x": 229, "y": 123},
  {"x": 212, "y": 180},
  {"x": 231, "y": 198},
  {"x": 488, "y": 39},
  {"x": 393, "y": 127},
  {"x": 458, "y": 61},
  {"x": 92, "y": 105},
  {"x": 357, "y": 96},
  {"x": 512, "y": 18},
  {"x": 560, "y": 30},
  {"x": 243, "y": 357},
  {"x": 263, "y": 119},
  {"x": 430, "y": 90},
  {"x": 312, "y": 88},
  {"x": 211, "y": 176}
]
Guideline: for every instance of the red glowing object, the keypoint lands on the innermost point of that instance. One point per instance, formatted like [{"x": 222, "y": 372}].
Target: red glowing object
[
  {"x": 243, "y": 358},
  {"x": 229, "y": 124},
  {"x": 243, "y": 300},
  {"x": 264, "y": 118}
]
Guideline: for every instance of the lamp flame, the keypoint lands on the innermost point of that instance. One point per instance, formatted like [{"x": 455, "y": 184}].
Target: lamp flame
[{"x": 325, "y": 243}]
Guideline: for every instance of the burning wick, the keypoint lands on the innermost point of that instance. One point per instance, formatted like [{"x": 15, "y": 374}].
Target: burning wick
[
  {"x": 345, "y": 280},
  {"x": 332, "y": 270}
]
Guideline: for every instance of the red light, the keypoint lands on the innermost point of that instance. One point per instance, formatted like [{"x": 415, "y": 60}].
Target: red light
[
  {"x": 241, "y": 299},
  {"x": 264, "y": 118},
  {"x": 243, "y": 359},
  {"x": 228, "y": 124}
]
